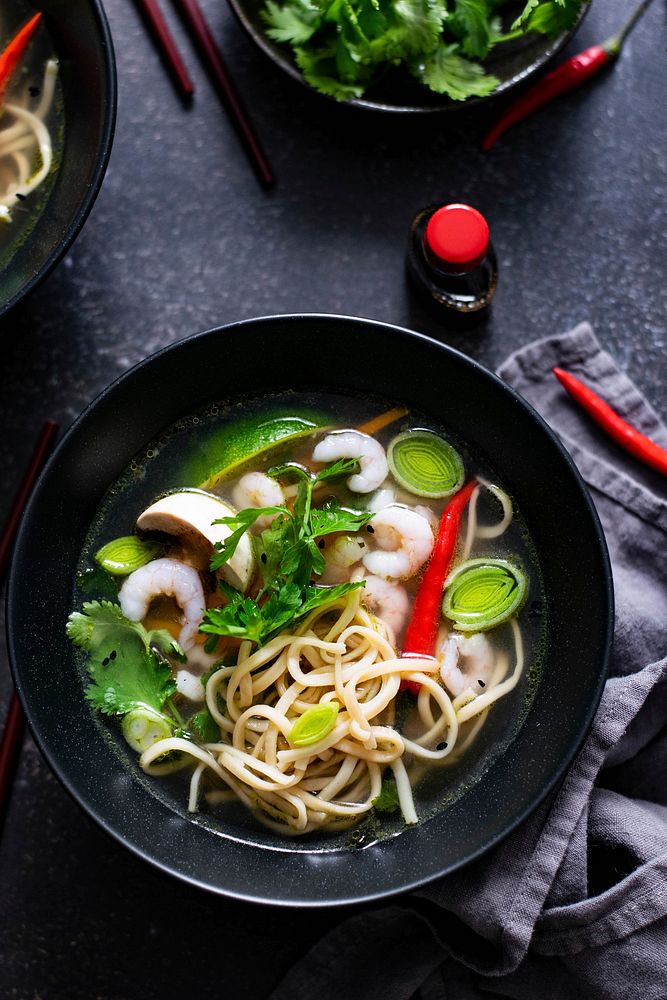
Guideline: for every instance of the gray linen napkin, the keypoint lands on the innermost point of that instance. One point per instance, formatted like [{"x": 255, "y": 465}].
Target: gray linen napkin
[{"x": 574, "y": 902}]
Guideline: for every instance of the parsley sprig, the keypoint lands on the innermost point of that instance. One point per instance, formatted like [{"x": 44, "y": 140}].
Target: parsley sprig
[{"x": 289, "y": 557}]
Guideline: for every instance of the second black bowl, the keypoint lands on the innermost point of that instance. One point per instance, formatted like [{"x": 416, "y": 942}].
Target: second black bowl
[{"x": 80, "y": 37}]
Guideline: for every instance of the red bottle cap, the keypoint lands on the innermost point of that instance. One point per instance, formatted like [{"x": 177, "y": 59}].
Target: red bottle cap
[{"x": 456, "y": 238}]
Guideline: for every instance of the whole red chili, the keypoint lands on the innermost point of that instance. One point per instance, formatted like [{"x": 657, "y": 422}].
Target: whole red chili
[
  {"x": 565, "y": 78},
  {"x": 11, "y": 56},
  {"x": 422, "y": 629},
  {"x": 620, "y": 430}
]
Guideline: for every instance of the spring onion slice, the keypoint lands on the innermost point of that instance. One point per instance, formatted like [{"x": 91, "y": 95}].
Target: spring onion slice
[
  {"x": 142, "y": 727},
  {"x": 122, "y": 556},
  {"x": 314, "y": 725},
  {"x": 425, "y": 464},
  {"x": 482, "y": 593}
]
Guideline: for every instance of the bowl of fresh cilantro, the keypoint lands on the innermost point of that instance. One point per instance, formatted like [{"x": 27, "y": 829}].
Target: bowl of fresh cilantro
[{"x": 410, "y": 55}]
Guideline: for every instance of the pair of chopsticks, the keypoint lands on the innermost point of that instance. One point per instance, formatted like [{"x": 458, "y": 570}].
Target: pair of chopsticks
[
  {"x": 10, "y": 742},
  {"x": 213, "y": 61}
]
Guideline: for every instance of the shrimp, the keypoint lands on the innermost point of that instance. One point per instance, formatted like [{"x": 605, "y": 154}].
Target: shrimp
[
  {"x": 256, "y": 489},
  {"x": 353, "y": 444},
  {"x": 383, "y": 498},
  {"x": 165, "y": 576},
  {"x": 188, "y": 679},
  {"x": 340, "y": 556},
  {"x": 474, "y": 654},
  {"x": 404, "y": 539},
  {"x": 389, "y": 601}
]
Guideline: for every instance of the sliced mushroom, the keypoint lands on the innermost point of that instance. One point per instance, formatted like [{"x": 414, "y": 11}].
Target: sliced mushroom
[{"x": 188, "y": 515}]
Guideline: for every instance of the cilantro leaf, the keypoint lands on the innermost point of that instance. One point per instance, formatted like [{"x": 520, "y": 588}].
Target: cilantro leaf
[
  {"x": 294, "y": 23},
  {"x": 101, "y": 621},
  {"x": 203, "y": 727},
  {"x": 548, "y": 18},
  {"x": 318, "y": 597},
  {"x": 319, "y": 70},
  {"x": 343, "y": 46},
  {"x": 125, "y": 669},
  {"x": 239, "y": 524},
  {"x": 343, "y": 467},
  {"x": 471, "y": 23},
  {"x": 240, "y": 618},
  {"x": 387, "y": 801},
  {"x": 447, "y": 72},
  {"x": 331, "y": 517}
]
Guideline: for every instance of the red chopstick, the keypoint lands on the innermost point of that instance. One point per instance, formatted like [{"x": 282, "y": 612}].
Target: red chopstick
[
  {"x": 214, "y": 62},
  {"x": 10, "y": 742},
  {"x": 166, "y": 46}
]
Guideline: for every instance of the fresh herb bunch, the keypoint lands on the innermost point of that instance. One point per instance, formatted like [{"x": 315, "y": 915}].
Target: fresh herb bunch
[
  {"x": 289, "y": 557},
  {"x": 343, "y": 46},
  {"x": 130, "y": 670}
]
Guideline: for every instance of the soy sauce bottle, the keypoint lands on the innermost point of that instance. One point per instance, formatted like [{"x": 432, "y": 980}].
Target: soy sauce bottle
[{"x": 452, "y": 263}]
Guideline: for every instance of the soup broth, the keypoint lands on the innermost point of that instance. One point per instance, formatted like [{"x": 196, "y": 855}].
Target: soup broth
[
  {"x": 31, "y": 131},
  {"x": 468, "y": 667}
]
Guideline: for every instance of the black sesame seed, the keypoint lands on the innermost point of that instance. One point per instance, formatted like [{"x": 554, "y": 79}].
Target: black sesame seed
[
  {"x": 361, "y": 545},
  {"x": 263, "y": 557},
  {"x": 113, "y": 654},
  {"x": 21, "y": 197},
  {"x": 105, "y": 661},
  {"x": 34, "y": 91},
  {"x": 481, "y": 684},
  {"x": 370, "y": 529},
  {"x": 442, "y": 746},
  {"x": 321, "y": 543}
]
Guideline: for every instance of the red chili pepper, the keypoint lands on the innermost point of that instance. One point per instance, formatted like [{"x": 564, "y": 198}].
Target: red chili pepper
[
  {"x": 422, "y": 629},
  {"x": 620, "y": 430},
  {"x": 565, "y": 78},
  {"x": 10, "y": 58}
]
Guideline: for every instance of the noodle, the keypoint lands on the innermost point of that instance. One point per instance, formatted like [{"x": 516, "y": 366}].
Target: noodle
[
  {"x": 26, "y": 150},
  {"x": 340, "y": 654}
]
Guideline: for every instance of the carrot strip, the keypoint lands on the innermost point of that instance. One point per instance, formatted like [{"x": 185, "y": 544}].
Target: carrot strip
[{"x": 382, "y": 420}]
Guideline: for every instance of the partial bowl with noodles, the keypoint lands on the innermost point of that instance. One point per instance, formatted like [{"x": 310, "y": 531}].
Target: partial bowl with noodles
[
  {"x": 244, "y": 860},
  {"x": 75, "y": 35}
]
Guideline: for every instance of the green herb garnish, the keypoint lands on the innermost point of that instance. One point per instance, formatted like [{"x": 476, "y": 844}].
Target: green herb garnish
[
  {"x": 387, "y": 801},
  {"x": 343, "y": 46},
  {"x": 204, "y": 727},
  {"x": 126, "y": 661},
  {"x": 289, "y": 558}
]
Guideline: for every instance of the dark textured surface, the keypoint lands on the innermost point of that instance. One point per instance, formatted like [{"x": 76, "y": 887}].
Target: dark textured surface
[{"x": 182, "y": 238}]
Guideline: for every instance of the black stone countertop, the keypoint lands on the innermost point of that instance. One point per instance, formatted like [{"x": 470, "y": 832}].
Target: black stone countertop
[{"x": 182, "y": 238}]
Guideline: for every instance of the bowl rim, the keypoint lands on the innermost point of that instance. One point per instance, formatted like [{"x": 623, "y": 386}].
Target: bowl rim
[
  {"x": 102, "y": 161},
  {"x": 406, "y": 883},
  {"x": 287, "y": 66}
]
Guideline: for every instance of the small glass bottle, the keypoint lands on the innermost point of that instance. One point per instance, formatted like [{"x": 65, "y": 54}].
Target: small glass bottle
[{"x": 452, "y": 262}]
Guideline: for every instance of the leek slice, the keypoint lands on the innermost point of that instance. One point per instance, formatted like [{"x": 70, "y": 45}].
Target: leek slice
[
  {"x": 142, "y": 727},
  {"x": 425, "y": 464},
  {"x": 314, "y": 725},
  {"x": 482, "y": 593},
  {"x": 122, "y": 556}
]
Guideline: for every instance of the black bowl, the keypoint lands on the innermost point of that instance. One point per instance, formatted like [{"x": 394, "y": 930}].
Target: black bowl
[
  {"x": 513, "y": 63},
  {"x": 297, "y": 352},
  {"x": 80, "y": 36}
]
